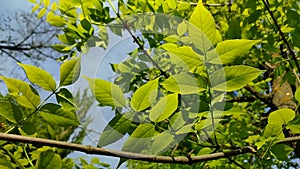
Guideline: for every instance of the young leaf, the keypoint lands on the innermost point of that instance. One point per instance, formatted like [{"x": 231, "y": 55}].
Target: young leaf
[
  {"x": 55, "y": 20},
  {"x": 186, "y": 57},
  {"x": 57, "y": 116},
  {"x": 202, "y": 28},
  {"x": 115, "y": 129},
  {"x": 184, "y": 83},
  {"x": 106, "y": 93},
  {"x": 39, "y": 77},
  {"x": 10, "y": 111},
  {"x": 229, "y": 50},
  {"x": 140, "y": 138},
  {"x": 25, "y": 94},
  {"x": 144, "y": 95},
  {"x": 164, "y": 108},
  {"x": 297, "y": 95},
  {"x": 281, "y": 116},
  {"x": 236, "y": 77},
  {"x": 273, "y": 130},
  {"x": 69, "y": 72},
  {"x": 47, "y": 160}
]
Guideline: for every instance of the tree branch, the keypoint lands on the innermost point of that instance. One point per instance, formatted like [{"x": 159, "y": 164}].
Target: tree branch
[
  {"x": 122, "y": 154},
  {"x": 292, "y": 53}
]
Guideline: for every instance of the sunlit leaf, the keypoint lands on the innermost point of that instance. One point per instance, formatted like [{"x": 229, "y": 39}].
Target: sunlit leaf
[
  {"x": 144, "y": 96},
  {"x": 281, "y": 116},
  {"x": 164, "y": 108},
  {"x": 229, "y": 50},
  {"x": 184, "y": 83},
  {"x": 25, "y": 94},
  {"x": 57, "y": 116},
  {"x": 202, "y": 28},
  {"x": 186, "y": 57},
  {"x": 70, "y": 72},
  {"x": 140, "y": 139},
  {"x": 9, "y": 111},
  {"x": 106, "y": 93},
  {"x": 232, "y": 78},
  {"x": 39, "y": 77},
  {"x": 55, "y": 20},
  {"x": 161, "y": 142}
]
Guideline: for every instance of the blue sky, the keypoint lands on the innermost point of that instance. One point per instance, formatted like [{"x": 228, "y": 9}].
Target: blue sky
[{"x": 94, "y": 64}]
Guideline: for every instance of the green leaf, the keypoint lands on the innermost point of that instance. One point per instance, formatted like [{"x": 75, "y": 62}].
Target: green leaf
[
  {"x": 144, "y": 96},
  {"x": 116, "y": 129},
  {"x": 281, "y": 116},
  {"x": 182, "y": 28},
  {"x": 185, "y": 83},
  {"x": 48, "y": 160},
  {"x": 70, "y": 72},
  {"x": 273, "y": 130},
  {"x": 297, "y": 95},
  {"x": 172, "y": 3},
  {"x": 10, "y": 111},
  {"x": 140, "y": 138},
  {"x": 228, "y": 51},
  {"x": 4, "y": 162},
  {"x": 65, "y": 98},
  {"x": 161, "y": 142},
  {"x": 55, "y": 115},
  {"x": 202, "y": 28},
  {"x": 25, "y": 94},
  {"x": 106, "y": 93},
  {"x": 39, "y": 77},
  {"x": 185, "y": 129},
  {"x": 164, "y": 108},
  {"x": 55, "y": 20},
  {"x": 236, "y": 77},
  {"x": 281, "y": 151},
  {"x": 186, "y": 57}
]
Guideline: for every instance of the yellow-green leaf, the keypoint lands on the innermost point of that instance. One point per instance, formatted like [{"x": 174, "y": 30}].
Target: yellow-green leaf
[
  {"x": 25, "y": 94},
  {"x": 164, "y": 108},
  {"x": 144, "y": 96},
  {"x": 106, "y": 93},
  {"x": 42, "y": 13},
  {"x": 281, "y": 116},
  {"x": 39, "y": 77},
  {"x": 70, "y": 72},
  {"x": 55, "y": 20}
]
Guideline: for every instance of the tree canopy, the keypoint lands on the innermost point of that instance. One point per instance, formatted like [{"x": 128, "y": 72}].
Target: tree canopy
[{"x": 207, "y": 84}]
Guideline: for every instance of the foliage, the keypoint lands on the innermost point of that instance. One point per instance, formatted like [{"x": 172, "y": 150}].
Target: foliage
[{"x": 201, "y": 80}]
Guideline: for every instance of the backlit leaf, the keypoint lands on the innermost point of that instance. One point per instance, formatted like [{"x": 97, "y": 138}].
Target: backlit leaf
[
  {"x": 144, "y": 95},
  {"x": 140, "y": 139},
  {"x": 57, "y": 116},
  {"x": 184, "y": 83},
  {"x": 69, "y": 72},
  {"x": 164, "y": 108},
  {"x": 39, "y": 77},
  {"x": 281, "y": 116},
  {"x": 232, "y": 78},
  {"x": 202, "y": 28},
  {"x": 25, "y": 94},
  {"x": 9, "y": 111},
  {"x": 106, "y": 93},
  {"x": 228, "y": 51}
]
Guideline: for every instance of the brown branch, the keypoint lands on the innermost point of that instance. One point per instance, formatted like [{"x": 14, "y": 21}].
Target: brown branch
[
  {"x": 122, "y": 154},
  {"x": 19, "y": 48},
  {"x": 265, "y": 99},
  {"x": 135, "y": 156},
  {"x": 294, "y": 57}
]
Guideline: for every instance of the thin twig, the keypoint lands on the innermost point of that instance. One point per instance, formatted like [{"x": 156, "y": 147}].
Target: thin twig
[{"x": 294, "y": 57}]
